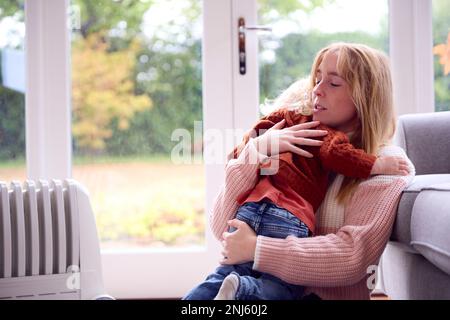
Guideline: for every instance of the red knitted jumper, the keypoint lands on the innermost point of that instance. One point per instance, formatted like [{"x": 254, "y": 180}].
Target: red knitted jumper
[{"x": 300, "y": 184}]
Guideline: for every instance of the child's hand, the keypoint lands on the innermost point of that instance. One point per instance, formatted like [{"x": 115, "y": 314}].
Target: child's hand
[{"x": 391, "y": 166}]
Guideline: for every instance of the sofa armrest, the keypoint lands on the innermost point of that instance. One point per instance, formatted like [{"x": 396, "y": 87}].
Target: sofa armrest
[
  {"x": 402, "y": 226},
  {"x": 430, "y": 225}
]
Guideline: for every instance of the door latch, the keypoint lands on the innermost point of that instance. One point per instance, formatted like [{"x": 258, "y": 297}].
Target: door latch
[{"x": 241, "y": 38}]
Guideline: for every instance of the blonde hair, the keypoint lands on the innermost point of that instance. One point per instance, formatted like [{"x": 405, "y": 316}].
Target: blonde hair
[
  {"x": 367, "y": 72},
  {"x": 296, "y": 97}
]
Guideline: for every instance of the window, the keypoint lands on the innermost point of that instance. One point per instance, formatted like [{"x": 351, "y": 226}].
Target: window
[
  {"x": 136, "y": 91},
  {"x": 441, "y": 50},
  {"x": 12, "y": 91},
  {"x": 300, "y": 30}
]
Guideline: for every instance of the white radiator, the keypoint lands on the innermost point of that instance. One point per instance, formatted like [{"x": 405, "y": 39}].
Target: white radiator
[{"x": 48, "y": 242}]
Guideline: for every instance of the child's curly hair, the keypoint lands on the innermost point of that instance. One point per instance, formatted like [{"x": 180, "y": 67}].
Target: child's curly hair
[{"x": 296, "y": 97}]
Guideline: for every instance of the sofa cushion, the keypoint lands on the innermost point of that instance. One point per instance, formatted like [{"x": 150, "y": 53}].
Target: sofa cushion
[
  {"x": 426, "y": 139},
  {"x": 402, "y": 226},
  {"x": 430, "y": 225}
]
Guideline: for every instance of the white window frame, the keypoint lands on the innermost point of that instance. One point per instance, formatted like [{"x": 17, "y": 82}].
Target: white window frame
[
  {"x": 230, "y": 102},
  {"x": 47, "y": 99},
  {"x": 411, "y": 43},
  {"x": 131, "y": 273}
]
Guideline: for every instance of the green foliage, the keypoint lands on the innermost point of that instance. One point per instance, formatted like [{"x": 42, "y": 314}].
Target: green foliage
[
  {"x": 441, "y": 87},
  {"x": 441, "y": 20},
  {"x": 12, "y": 124},
  {"x": 101, "y": 15},
  {"x": 102, "y": 91},
  {"x": 11, "y": 7},
  {"x": 296, "y": 53},
  {"x": 286, "y": 7},
  {"x": 173, "y": 80}
]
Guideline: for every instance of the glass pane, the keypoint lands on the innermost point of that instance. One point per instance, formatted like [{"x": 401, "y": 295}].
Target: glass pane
[
  {"x": 136, "y": 87},
  {"x": 12, "y": 91},
  {"x": 441, "y": 50},
  {"x": 301, "y": 28}
]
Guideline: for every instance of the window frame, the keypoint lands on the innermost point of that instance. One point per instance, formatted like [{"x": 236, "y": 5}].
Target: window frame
[
  {"x": 411, "y": 55},
  {"x": 152, "y": 273},
  {"x": 47, "y": 99}
]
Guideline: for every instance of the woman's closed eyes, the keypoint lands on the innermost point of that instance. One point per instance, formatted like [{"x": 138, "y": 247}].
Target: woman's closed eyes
[{"x": 330, "y": 82}]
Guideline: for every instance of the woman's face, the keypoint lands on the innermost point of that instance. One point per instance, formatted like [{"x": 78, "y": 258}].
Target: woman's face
[{"x": 333, "y": 105}]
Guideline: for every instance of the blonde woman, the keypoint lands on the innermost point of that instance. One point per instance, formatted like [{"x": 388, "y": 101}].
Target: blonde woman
[{"x": 352, "y": 94}]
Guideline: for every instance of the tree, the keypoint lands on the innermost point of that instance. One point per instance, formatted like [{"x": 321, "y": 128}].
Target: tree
[
  {"x": 12, "y": 103},
  {"x": 12, "y": 124},
  {"x": 441, "y": 40},
  {"x": 443, "y": 51},
  {"x": 101, "y": 15},
  {"x": 11, "y": 7},
  {"x": 169, "y": 70},
  {"x": 102, "y": 91},
  {"x": 173, "y": 80}
]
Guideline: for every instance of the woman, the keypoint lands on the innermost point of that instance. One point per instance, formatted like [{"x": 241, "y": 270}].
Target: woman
[{"x": 353, "y": 94}]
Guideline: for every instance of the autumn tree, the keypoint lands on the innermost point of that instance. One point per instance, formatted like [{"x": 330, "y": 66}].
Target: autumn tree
[
  {"x": 102, "y": 91},
  {"x": 443, "y": 51},
  {"x": 441, "y": 40}
]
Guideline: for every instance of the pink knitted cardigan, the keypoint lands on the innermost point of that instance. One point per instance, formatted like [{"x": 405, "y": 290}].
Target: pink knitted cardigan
[{"x": 336, "y": 263}]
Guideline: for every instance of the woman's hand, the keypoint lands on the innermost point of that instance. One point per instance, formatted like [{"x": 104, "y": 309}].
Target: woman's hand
[
  {"x": 238, "y": 246},
  {"x": 278, "y": 139}
]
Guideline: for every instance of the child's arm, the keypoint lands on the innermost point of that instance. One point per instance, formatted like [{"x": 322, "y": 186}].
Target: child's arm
[
  {"x": 391, "y": 166},
  {"x": 339, "y": 155}
]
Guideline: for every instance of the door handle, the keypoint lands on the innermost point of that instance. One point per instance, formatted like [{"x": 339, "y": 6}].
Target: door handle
[{"x": 241, "y": 40}]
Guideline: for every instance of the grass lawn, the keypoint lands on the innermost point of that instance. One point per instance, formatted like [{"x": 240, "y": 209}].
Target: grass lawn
[{"x": 143, "y": 202}]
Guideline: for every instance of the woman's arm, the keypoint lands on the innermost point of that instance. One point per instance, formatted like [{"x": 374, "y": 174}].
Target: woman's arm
[
  {"x": 341, "y": 258},
  {"x": 241, "y": 175},
  {"x": 242, "y": 172}
]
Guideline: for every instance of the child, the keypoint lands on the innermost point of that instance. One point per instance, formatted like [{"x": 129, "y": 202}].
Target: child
[{"x": 284, "y": 201}]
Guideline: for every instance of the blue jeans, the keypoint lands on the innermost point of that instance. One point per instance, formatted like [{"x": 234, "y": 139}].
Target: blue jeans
[{"x": 269, "y": 220}]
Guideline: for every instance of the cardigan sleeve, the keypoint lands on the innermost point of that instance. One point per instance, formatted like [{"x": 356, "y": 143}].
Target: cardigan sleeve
[
  {"x": 339, "y": 155},
  {"x": 241, "y": 175},
  {"x": 340, "y": 258}
]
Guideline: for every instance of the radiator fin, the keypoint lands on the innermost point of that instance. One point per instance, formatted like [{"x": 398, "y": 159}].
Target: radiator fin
[
  {"x": 18, "y": 229},
  {"x": 32, "y": 229},
  {"x": 39, "y": 228},
  {"x": 46, "y": 228},
  {"x": 5, "y": 233}
]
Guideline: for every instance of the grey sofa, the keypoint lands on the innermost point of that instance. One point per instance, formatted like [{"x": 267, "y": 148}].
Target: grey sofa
[{"x": 416, "y": 261}]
